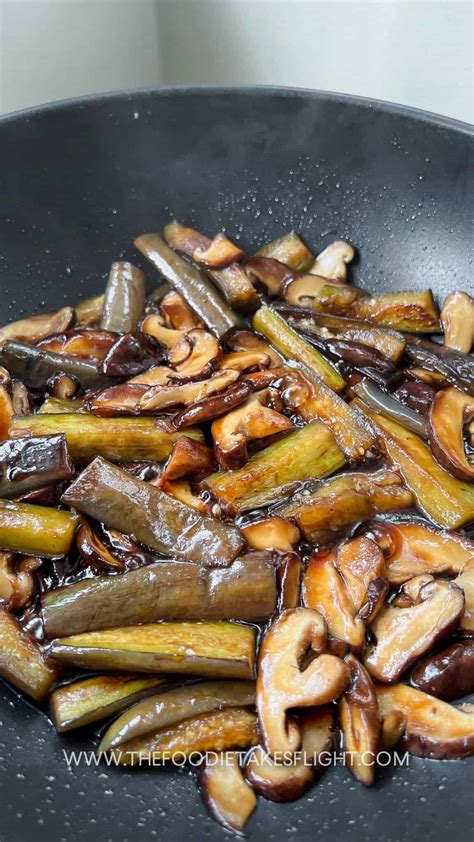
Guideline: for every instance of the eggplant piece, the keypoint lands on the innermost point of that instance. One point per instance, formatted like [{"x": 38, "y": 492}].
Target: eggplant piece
[
  {"x": 22, "y": 662},
  {"x": 220, "y": 730},
  {"x": 35, "y": 366},
  {"x": 194, "y": 287},
  {"x": 404, "y": 634},
  {"x": 390, "y": 407},
  {"x": 31, "y": 462},
  {"x": 285, "y": 782},
  {"x": 90, "y": 310},
  {"x": 165, "y": 590},
  {"x": 448, "y": 674},
  {"x": 282, "y": 683},
  {"x": 292, "y": 345},
  {"x": 231, "y": 278},
  {"x": 92, "y": 699},
  {"x": 80, "y": 342},
  {"x": 124, "y": 298},
  {"x": 456, "y": 367},
  {"x": 434, "y": 729},
  {"x": 188, "y": 458},
  {"x": 308, "y": 453},
  {"x": 36, "y": 530},
  {"x": 465, "y": 581},
  {"x": 360, "y": 722},
  {"x": 225, "y": 792},
  {"x": 291, "y": 250},
  {"x": 112, "y": 496},
  {"x": 414, "y": 549},
  {"x": 390, "y": 343},
  {"x": 169, "y": 706},
  {"x": 324, "y": 591},
  {"x": 413, "y": 311},
  {"x": 445, "y": 500},
  {"x": 415, "y": 394},
  {"x": 34, "y": 328},
  {"x": 449, "y": 412},
  {"x": 343, "y": 501},
  {"x": 274, "y": 533},
  {"x": 223, "y": 650},
  {"x": 117, "y": 439},
  {"x": 55, "y": 406},
  {"x": 457, "y": 321}
]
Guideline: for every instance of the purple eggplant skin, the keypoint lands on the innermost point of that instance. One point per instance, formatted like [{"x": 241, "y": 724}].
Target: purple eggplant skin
[
  {"x": 105, "y": 492},
  {"x": 448, "y": 674},
  {"x": 34, "y": 366},
  {"x": 458, "y": 368},
  {"x": 124, "y": 298},
  {"x": 131, "y": 354},
  {"x": 32, "y": 462},
  {"x": 416, "y": 395},
  {"x": 165, "y": 590}
]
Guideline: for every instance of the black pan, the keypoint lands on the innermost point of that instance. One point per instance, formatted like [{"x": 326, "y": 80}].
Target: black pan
[{"x": 78, "y": 181}]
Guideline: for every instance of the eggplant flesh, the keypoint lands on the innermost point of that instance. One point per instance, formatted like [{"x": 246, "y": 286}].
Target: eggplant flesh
[
  {"x": 36, "y": 530},
  {"x": 124, "y": 298},
  {"x": 31, "y": 462},
  {"x": 22, "y": 662}
]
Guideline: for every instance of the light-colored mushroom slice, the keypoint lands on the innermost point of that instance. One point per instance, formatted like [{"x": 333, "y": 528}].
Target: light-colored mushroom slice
[
  {"x": 153, "y": 325},
  {"x": 226, "y": 793},
  {"x": 360, "y": 723},
  {"x": 6, "y": 413},
  {"x": 409, "y": 593},
  {"x": 35, "y": 328},
  {"x": 404, "y": 634},
  {"x": 318, "y": 293},
  {"x": 184, "y": 394},
  {"x": 157, "y": 375},
  {"x": 219, "y": 254},
  {"x": 21, "y": 402},
  {"x": 284, "y": 782},
  {"x": 188, "y": 458},
  {"x": 245, "y": 361},
  {"x": 393, "y": 728},
  {"x": 332, "y": 262},
  {"x": 269, "y": 272},
  {"x": 17, "y": 580},
  {"x": 433, "y": 728},
  {"x": 289, "y": 574},
  {"x": 177, "y": 314},
  {"x": 466, "y": 581},
  {"x": 181, "y": 490},
  {"x": 324, "y": 591},
  {"x": 204, "y": 356},
  {"x": 450, "y": 410},
  {"x": 94, "y": 551},
  {"x": 245, "y": 340},
  {"x": 273, "y": 533},
  {"x": 362, "y": 566},
  {"x": 283, "y": 684},
  {"x": 457, "y": 321},
  {"x": 414, "y": 548},
  {"x": 251, "y": 420},
  {"x": 89, "y": 344}
]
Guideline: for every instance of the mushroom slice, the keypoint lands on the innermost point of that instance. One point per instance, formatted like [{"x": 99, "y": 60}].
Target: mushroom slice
[
  {"x": 95, "y": 553},
  {"x": 226, "y": 793},
  {"x": 89, "y": 344},
  {"x": 274, "y": 533},
  {"x": 282, "y": 684},
  {"x": 176, "y": 313},
  {"x": 269, "y": 272},
  {"x": 153, "y": 325},
  {"x": 183, "y": 394},
  {"x": 188, "y": 458},
  {"x": 449, "y": 412},
  {"x": 245, "y": 361},
  {"x": 362, "y": 566},
  {"x": 414, "y": 548},
  {"x": 245, "y": 340},
  {"x": 360, "y": 722},
  {"x": 181, "y": 490},
  {"x": 457, "y": 321},
  {"x": 324, "y": 590},
  {"x": 252, "y": 420},
  {"x": 6, "y": 413},
  {"x": 433, "y": 729},
  {"x": 393, "y": 728},
  {"x": 404, "y": 634},
  {"x": 38, "y": 327},
  {"x": 289, "y": 573},
  {"x": 284, "y": 782},
  {"x": 466, "y": 581},
  {"x": 317, "y": 292},
  {"x": 204, "y": 356},
  {"x": 21, "y": 402},
  {"x": 219, "y": 254},
  {"x": 332, "y": 262},
  {"x": 448, "y": 674},
  {"x": 17, "y": 580}
]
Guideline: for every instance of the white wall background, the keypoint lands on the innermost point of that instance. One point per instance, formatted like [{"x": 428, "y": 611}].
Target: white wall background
[{"x": 417, "y": 52}]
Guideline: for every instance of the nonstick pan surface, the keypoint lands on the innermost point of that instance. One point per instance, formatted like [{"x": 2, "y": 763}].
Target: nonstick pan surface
[{"x": 78, "y": 181}]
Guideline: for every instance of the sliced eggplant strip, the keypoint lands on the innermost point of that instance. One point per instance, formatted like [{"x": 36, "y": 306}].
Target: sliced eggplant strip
[
  {"x": 225, "y": 792},
  {"x": 36, "y": 530},
  {"x": 31, "y": 462},
  {"x": 450, "y": 411},
  {"x": 34, "y": 328},
  {"x": 285, "y": 782},
  {"x": 221, "y": 730},
  {"x": 414, "y": 312},
  {"x": 282, "y": 683},
  {"x": 404, "y": 634},
  {"x": 324, "y": 591},
  {"x": 449, "y": 502},
  {"x": 189, "y": 457},
  {"x": 465, "y": 581},
  {"x": 252, "y": 420},
  {"x": 165, "y": 590},
  {"x": 390, "y": 407},
  {"x": 274, "y": 533},
  {"x": 213, "y": 405},
  {"x": 309, "y": 453},
  {"x": 107, "y": 493},
  {"x": 22, "y": 662},
  {"x": 225, "y": 650},
  {"x": 56, "y": 406},
  {"x": 117, "y": 439},
  {"x": 360, "y": 723},
  {"x": 195, "y": 288},
  {"x": 291, "y": 250},
  {"x": 454, "y": 366},
  {"x": 457, "y": 321},
  {"x": 35, "y": 366},
  {"x": 433, "y": 728},
  {"x": 171, "y": 705},
  {"x": 292, "y": 345},
  {"x": 87, "y": 343},
  {"x": 448, "y": 674},
  {"x": 332, "y": 262},
  {"x": 124, "y": 298},
  {"x": 92, "y": 699},
  {"x": 90, "y": 310}
]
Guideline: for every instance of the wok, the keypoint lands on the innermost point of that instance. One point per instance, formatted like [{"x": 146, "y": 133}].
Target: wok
[{"x": 78, "y": 181}]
